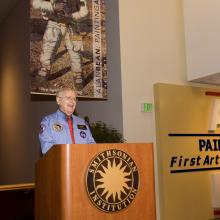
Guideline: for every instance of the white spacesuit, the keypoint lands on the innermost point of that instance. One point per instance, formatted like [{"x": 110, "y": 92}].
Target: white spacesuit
[{"x": 61, "y": 15}]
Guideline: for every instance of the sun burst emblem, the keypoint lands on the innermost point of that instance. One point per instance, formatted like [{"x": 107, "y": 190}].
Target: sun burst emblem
[{"x": 112, "y": 180}]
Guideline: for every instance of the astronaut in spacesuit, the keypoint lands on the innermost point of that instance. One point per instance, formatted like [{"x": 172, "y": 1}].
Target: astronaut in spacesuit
[{"x": 61, "y": 16}]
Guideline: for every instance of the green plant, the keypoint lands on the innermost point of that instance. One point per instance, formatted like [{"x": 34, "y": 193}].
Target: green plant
[{"x": 105, "y": 134}]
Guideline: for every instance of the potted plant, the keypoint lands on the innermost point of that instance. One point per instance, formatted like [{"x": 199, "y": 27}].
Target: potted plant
[{"x": 103, "y": 133}]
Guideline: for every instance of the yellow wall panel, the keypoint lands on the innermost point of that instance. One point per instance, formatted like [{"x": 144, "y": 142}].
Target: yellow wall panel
[{"x": 186, "y": 110}]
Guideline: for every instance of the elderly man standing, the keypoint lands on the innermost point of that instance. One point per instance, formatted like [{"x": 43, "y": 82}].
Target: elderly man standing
[
  {"x": 62, "y": 127},
  {"x": 62, "y": 16}
]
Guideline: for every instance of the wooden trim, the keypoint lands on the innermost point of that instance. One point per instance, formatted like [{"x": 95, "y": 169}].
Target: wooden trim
[
  {"x": 17, "y": 186},
  {"x": 212, "y": 93}
]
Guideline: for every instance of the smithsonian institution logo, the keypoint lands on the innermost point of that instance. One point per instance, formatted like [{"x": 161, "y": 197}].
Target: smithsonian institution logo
[{"x": 112, "y": 180}]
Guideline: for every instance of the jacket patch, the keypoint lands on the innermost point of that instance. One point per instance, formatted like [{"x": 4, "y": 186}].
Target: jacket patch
[
  {"x": 82, "y": 134},
  {"x": 57, "y": 127},
  {"x": 42, "y": 128},
  {"x": 81, "y": 127}
]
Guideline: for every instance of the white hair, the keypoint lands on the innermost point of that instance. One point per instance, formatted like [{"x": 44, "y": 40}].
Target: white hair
[{"x": 63, "y": 90}]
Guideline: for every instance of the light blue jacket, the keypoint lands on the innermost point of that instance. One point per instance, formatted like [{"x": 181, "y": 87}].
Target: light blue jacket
[{"x": 55, "y": 130}]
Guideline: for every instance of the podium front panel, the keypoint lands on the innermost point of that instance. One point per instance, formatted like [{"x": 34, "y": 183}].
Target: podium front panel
[{"x": 62, "y": 179}]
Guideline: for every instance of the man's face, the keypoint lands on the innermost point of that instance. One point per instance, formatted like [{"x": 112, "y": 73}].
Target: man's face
[{"x": 67, "y": 102}]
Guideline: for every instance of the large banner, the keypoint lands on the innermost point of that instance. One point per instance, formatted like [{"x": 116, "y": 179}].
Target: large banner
[{"x": 68, "y": 47}]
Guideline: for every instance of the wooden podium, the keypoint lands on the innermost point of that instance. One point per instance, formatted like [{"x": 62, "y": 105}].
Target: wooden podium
[{"x": 61, "y": 189}]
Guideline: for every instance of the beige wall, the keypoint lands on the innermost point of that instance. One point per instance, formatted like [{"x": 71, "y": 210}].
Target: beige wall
[
  {"x": 183, "y": 109},
  {"x": 152, "y": 50},
  {"x": 202, "y": 21}
]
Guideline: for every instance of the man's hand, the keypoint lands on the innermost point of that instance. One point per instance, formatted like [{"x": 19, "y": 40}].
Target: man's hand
[
  {"x": 62, "y": 10},
  {"x": 59, "y": 7}
]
